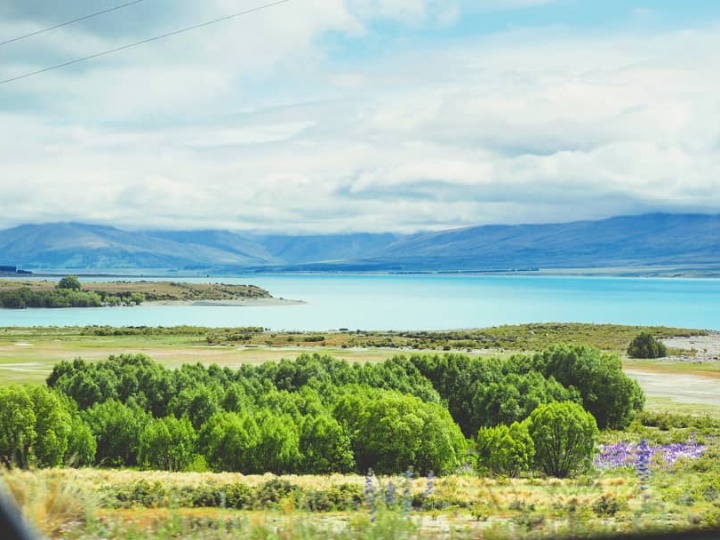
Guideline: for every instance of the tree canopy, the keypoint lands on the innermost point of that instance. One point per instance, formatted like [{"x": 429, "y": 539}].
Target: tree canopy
[{"x": 315, "y": 414}]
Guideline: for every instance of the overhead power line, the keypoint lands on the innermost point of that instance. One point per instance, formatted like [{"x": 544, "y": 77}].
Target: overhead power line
[
  {"x": 67, "y": 23},
  {"x": 144, "y": 41}
]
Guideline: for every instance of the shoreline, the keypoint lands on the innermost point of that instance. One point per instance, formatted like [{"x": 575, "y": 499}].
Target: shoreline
[{"x": 240, "y": 302}]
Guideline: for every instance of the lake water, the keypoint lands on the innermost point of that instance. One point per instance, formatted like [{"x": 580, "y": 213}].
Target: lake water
[{"x": 422, "y": 302}]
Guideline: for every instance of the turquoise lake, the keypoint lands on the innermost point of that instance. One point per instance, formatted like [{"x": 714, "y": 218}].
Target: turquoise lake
[{"x": 422, "y": 302}]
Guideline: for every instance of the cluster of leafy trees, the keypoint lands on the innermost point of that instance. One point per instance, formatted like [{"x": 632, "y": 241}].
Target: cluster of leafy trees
[
  {"x": 25, "y": 297},
  {"x": 67, "y": 293},
  {"x": 318, "y": 414}
]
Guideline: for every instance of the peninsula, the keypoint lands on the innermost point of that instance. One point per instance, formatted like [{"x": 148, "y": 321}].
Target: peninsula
[{"x": 70, "y": 292}]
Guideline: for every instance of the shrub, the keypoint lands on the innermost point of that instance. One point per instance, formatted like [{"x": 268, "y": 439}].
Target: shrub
[
  {"x": 506, "y": 450},
  {"x": 273, "y": 491},
  {"x": 564, "y": 435},
  {"x": 238, "y": 495},
  {"x": 69, "y": 282},
  {"x": 646, "y": 346}
]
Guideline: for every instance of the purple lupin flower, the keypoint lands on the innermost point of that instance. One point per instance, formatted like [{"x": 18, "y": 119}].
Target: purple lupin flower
[
  {"x": 370, "y": 494},
  {"x": 430, "y": 487},
  {"x": 390, "y": 495},
  {"x": 407, "y": 493},
  {"x": 642, "y": 464}
]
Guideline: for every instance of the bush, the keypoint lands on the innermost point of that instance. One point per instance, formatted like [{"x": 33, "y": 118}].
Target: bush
[
  {"x": 646, "y": 346},
  {"x": 506, "y": 450},
  {"x": 564, "y": 435},
  {"x": 274, "y": 491},
  {"x": 69, "y": 282}
]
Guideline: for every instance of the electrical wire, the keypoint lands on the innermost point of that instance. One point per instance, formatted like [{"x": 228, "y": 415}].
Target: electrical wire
[
  {"x": 144, "y": 41},
  {"x": 67, "y": 23}
]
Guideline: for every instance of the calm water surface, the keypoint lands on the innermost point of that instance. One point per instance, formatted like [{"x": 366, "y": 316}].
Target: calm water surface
[{"x": 392, "y": 302}]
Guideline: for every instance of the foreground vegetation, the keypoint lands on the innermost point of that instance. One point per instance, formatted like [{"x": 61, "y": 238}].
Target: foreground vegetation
[
  {"x": 675, "y": 494},
  {"x": 546, "y": 444}
]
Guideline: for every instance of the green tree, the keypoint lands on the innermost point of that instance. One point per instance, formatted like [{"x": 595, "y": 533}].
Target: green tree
[
  {"x": 515, "y": 396},
  {"x": 229, "y": 442},
  {"x": 117, "y": 428},
  {"x": 607, "y": 393},
  {"x": 564, "y": 435},
  {"x": 52, "y": 427},
  {"x": 17, "y": 426},
  {"x": 198, "y": 403},
  {"x": 390, "y": 431},
  {"x": 167, "y": 444},
  {"x": 69, "y": 282},
  {"x": 324, "y": 446},
  {"x": 646, "y": 346},
  {"x": 457, "y": 378},
  {"x": 278, "y": 450},
  {"x": 82, "y": 447},
  {"x": 505, "y": 450}
]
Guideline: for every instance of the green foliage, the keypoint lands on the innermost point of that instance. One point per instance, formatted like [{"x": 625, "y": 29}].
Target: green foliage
[
  {"x": 69, "y": 282},
  {"x": 82, "y": 447},
  {"x": 457, "y": 379},
  {"x": 17, "y": 418},
  {"x": 167, "y": 444},
  {"x": 117, "y": 429},
  {"x": 278, "y": 450},
  {"x": 646, "y": 346},
  {"x": 505, "y": 450},
  {"x": 52, "y": 427},
  {"x": 390, "y": 431},
  {"x": 25, "y": 297},
  {"x": 229, "y": 442},
  {"x": 324, "y": 446},
  {"x": 197, "y": 403},
  {"x": 515, "y": 396},
  {"x": 318, "y": 414},
  {"x": 607, "y": 393},
  {"x": 36, "y": 425},
  {"x": 564, "y": 436},
  {"x": 119, "y": 377}
]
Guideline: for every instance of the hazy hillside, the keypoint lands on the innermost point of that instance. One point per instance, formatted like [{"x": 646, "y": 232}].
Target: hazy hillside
[
  {"x": 675, "y": 241},
  {"x": 82, "y": 247},
  {"x": 647, "y": 240},
  {"x": 76, "y": 246},
  {"x": 325, "y": 248}
]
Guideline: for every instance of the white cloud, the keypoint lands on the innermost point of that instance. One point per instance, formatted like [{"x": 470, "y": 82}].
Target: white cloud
[{"x": 256, "y": 124}]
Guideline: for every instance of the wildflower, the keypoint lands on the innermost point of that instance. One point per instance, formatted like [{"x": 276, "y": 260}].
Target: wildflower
[
  {"x": 430, "y": 485},
  {"x": 642, "y": 465},
  {"x": 370, "y": 494},
  {"x": 390, "y": 495},
  {"x": 407, "y": 494}
]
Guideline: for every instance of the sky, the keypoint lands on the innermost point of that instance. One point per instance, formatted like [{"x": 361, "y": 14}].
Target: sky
[{"x": 327, "y": 116}]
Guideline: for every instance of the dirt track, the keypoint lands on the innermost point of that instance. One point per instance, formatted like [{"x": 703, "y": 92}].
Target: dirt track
[{"x": 684, "y": 387}]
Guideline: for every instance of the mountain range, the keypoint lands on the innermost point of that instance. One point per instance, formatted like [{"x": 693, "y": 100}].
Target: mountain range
[{"x": 663, "y": 244}]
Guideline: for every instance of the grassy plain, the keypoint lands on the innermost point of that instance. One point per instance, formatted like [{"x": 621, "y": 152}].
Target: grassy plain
[{"x": 28, "y": 354}]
